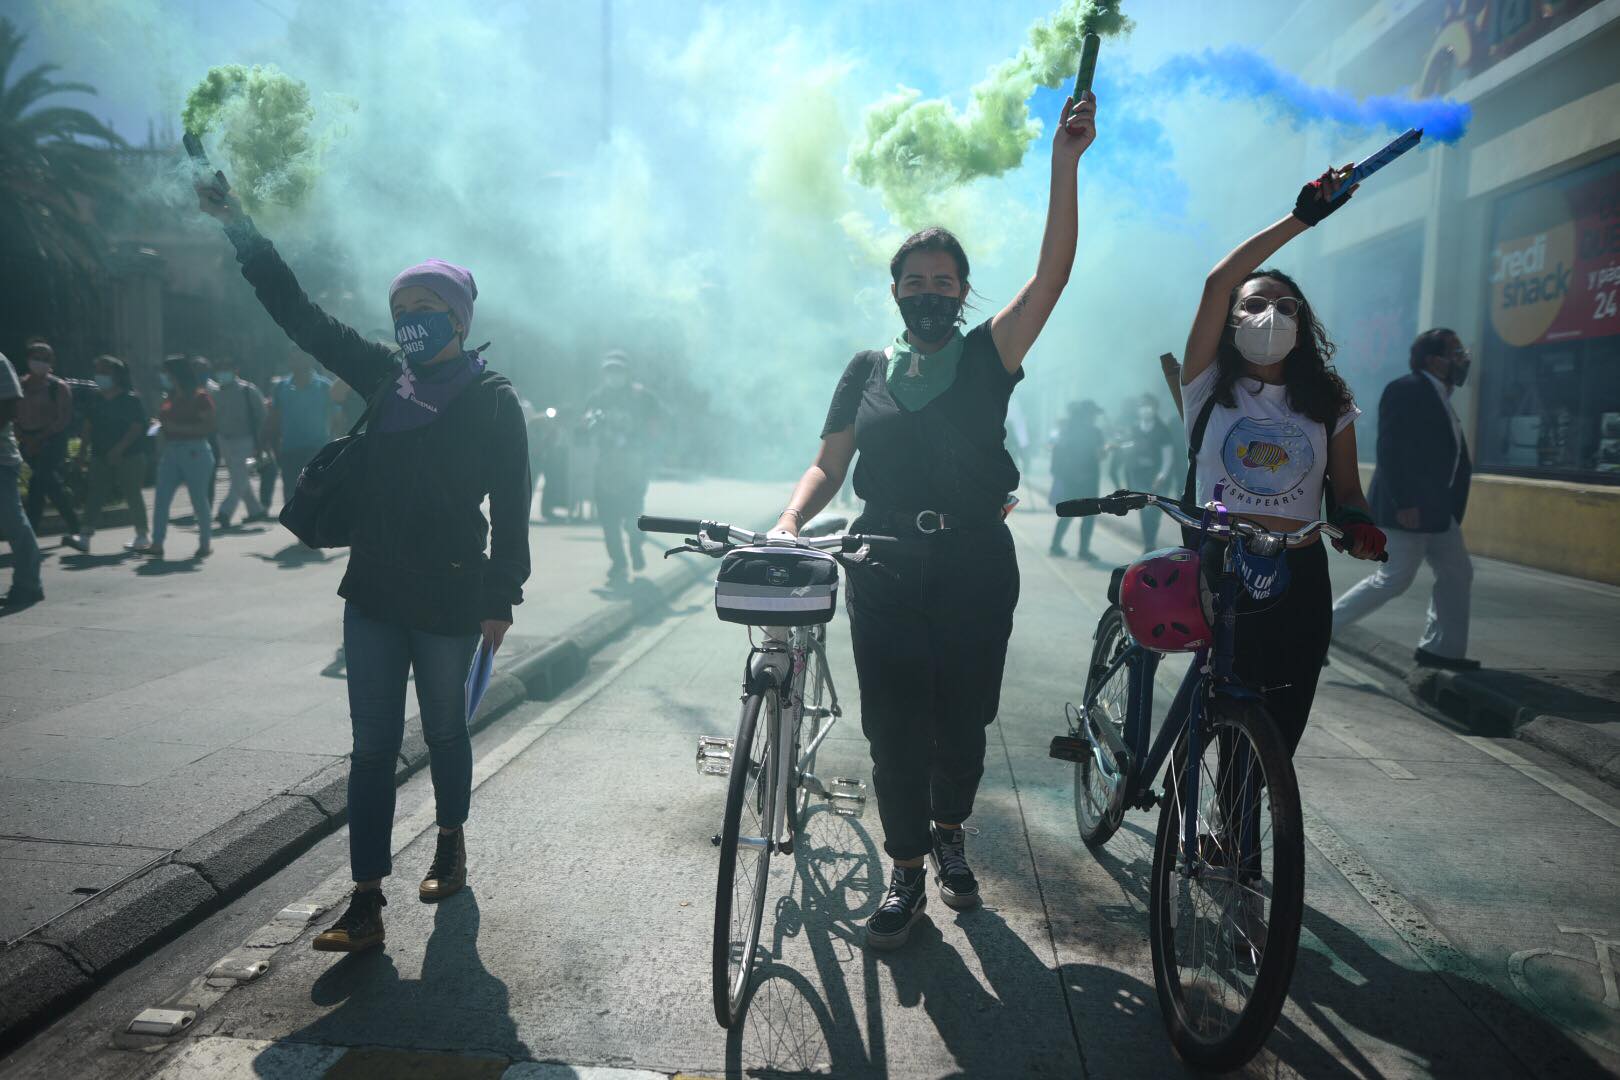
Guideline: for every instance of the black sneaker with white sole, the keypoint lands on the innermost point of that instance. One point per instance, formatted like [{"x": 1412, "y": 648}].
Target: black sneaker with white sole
[
  {"x": 957, "y": 885},
  {"x": 890, "y": 925}
]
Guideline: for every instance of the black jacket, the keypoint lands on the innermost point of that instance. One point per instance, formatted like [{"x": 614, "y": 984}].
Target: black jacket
[
  {"x": 1416, "y": 449},
  {"x": 418, "y": 553}
]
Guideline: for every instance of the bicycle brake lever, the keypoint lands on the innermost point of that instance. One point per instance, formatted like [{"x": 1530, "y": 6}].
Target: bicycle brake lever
[{"x": 684, "y": 549}]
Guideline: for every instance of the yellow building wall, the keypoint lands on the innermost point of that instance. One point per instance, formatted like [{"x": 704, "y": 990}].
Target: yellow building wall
[{"x": 1552, "y": 525}]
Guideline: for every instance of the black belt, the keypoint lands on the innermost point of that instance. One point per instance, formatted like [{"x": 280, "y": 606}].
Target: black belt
[{"x": 902, "y": 523}]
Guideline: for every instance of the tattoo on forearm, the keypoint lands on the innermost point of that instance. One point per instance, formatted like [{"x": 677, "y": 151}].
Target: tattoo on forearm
[{"x": 1021, "y": 303}]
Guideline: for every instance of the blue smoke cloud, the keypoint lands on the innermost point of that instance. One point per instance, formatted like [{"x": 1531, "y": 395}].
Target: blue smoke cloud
[{"x": 1238, "y": 72}]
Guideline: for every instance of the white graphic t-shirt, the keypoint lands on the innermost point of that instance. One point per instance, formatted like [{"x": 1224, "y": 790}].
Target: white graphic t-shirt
[{"x": 1271, "y": 458}]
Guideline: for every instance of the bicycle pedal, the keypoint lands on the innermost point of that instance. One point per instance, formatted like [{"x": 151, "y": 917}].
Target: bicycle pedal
[
  {"x": 714, "y": 755},
  {"x": 1076, "y": 748},
  {"x": 846, "y": 796}
]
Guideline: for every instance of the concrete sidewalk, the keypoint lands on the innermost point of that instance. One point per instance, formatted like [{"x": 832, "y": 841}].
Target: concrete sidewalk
[
  {"x": 1549, "y": 646},
  {"x": 154, "y": 710}
]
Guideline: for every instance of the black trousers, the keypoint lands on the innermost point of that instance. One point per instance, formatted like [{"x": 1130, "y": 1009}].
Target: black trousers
[
  {"x": 45, "y": 481},
  {"x": 1281, "y": 641},
  {"x": 930, "y": 628},
  {"x": 619, "y": 507}
]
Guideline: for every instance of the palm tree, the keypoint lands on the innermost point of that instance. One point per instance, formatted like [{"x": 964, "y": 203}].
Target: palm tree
[{"x": 55, "y": 164}]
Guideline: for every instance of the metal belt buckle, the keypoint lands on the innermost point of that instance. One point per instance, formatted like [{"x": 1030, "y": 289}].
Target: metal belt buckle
[{"x": 939, "y": 522}]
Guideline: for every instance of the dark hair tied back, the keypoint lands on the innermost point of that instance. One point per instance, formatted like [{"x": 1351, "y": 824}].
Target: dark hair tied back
[
  {"x": 1314, "y": 387},
  {"x": 933, "y": 238}
]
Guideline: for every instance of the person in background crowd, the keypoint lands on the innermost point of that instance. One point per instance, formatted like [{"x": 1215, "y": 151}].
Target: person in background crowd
[
  {"x": 187, "y": 419},
  {"x": 43, "y": 418},
  {"x": 622, "y": 418},
  {"x": 241, "y": 413},
  {"x": 1171, "y": 367},
  {"x": 347, "y": 408},
  {"x": 14, "y": 524},
  {"x": 1419, "y": 493},
  {"x": 116, "y": 447},
  {"x": 1147, "y": 451},
  {"x": 300, "y": 420},
  {"x": 1076, "y": 463},
  {"x": 422, "y": 594}
]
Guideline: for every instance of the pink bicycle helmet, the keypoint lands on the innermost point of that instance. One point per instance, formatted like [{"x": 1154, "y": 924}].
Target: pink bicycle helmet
[{"x": 1162, "y": 596}]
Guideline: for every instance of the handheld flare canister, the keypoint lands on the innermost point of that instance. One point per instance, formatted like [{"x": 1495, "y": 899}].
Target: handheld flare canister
[
  {"x": 1088, "y": 67},
  {"x": 199, "y": 159},
  {"x": 1364, "y": 168}
]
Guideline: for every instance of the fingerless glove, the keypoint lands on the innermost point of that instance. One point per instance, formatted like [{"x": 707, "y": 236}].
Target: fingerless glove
[{"x": 1313, "y": 204}]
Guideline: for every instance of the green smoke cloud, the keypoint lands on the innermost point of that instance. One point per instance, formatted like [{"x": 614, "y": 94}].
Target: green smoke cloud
[
  {"x": 915, "y": 150},
  {"x": 263, "y": 117}
]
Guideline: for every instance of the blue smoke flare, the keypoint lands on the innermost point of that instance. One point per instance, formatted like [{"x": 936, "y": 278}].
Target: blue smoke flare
[{"x": 1237, "y": 72}]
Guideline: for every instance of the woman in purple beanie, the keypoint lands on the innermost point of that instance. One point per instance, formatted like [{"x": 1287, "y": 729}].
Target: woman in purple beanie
[{"x": 421, "y": 589}]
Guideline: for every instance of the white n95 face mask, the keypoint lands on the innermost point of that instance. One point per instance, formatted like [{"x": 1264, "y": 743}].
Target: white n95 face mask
[{"x": 1266, "y": 338}]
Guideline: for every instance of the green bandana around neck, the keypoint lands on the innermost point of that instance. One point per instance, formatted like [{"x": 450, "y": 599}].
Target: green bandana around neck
[{"x": 916, "y": 378}]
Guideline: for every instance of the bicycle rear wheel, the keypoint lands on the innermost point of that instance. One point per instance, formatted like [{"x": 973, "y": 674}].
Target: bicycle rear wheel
[
  {"x": 811, "y": 723},
  {"x": 1091, "y": 789},
  {"x": 1225, "y": 923},
  {"x": 745, "y": 857}
]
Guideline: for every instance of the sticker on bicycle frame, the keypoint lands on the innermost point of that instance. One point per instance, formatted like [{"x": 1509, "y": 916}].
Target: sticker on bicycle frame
[{"x": 1264, "y": 576}]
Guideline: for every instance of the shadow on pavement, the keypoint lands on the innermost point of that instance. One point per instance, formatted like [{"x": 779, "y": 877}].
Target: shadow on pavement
[
  {"x": 291, "y": 557},
  {"x": 457, "y": 1005},
  {"x": 164, "y": 567},
  {"x": 94, "y": 562},
  {"x": 1349, "y": 990}
]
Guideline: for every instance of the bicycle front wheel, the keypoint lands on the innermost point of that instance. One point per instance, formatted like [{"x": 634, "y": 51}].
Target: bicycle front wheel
[
  {"x": 1092, "y": 790},
  {"x": 1225, "y": 911},
  {"x": 745, "y": 857}
]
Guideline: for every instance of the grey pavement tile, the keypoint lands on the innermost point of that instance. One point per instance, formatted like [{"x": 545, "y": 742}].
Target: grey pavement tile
[
  {"x": 21, "y": 752},
  {"x": 39, "y": 887},
  {"x": 100, "y": 718},
  {"x": 224, "y": 724},
  {"x": 127, "y": 761},
  {"x": 322, "y": 730}
]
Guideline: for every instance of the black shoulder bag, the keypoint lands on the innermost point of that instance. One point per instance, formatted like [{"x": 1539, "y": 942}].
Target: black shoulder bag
[{"x": 321, "y": 509}]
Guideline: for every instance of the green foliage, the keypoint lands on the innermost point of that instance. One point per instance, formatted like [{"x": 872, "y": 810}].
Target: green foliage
[
  {"x": 54, "y": 163},
  {"x": 915, "y": 150},
  {"x": 263, "y": 117}
]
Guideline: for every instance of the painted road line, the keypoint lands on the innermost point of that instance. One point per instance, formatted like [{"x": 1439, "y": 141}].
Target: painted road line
[
  {"x": 265, "y": 943},
  {"x": 1493, "y": 748},
  {"x": 1388, "y": 766}
]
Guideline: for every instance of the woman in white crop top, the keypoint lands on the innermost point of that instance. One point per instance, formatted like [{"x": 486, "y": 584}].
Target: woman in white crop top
[{"x": 1280, "y": 428}]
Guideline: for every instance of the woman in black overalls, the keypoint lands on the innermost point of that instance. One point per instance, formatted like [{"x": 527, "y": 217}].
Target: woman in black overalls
[{"x": 930, "y": 624}]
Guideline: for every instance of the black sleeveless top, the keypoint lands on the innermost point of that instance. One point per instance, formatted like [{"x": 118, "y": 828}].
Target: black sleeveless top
[{"x": 951, "y": 454}]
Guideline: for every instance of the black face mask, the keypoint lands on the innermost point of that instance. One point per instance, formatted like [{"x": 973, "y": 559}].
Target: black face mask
[{"x": 930, "y": 316}]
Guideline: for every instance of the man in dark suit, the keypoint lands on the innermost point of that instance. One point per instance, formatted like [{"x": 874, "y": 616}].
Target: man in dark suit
[{"x": 1419, "y": 491}]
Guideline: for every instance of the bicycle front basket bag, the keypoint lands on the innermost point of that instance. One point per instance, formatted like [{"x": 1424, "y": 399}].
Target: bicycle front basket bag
[{"x": 776, "y": 586}]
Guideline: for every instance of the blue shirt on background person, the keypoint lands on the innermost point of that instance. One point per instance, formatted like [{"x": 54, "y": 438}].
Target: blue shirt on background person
[{"x": 305, "y": 412}]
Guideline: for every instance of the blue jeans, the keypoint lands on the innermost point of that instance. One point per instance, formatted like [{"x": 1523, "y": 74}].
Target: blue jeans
[
  {"x": 189, "y": 462},
  {"x": 380, "y": 656},
  {"x": 15, "y": 528}
]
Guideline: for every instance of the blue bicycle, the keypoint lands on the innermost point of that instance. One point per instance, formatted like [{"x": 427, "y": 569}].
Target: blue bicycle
[{"x": 1228, "y": 878}]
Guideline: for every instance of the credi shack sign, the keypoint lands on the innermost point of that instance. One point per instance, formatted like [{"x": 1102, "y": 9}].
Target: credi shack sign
[{"x": 1554, "y": 269}]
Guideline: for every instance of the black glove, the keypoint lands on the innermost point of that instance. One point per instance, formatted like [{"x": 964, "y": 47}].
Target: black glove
[{"x": 1313, "y": 204}]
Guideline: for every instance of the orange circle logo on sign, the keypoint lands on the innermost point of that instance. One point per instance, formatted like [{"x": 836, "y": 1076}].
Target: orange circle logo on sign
[{"x": 1530, "y": 273}]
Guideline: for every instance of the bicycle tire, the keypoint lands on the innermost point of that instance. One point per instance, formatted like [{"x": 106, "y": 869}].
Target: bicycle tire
[
  {"x": 1091, "y": 815},
  {"x": 1280, "y": 804},
  {"x": 731, "y": 986},
  {"x": 812, "y": 693}
]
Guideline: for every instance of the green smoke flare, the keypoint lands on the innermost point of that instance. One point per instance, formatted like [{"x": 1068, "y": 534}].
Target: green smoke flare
[
  {"x": 914, "y": 150},
  {"x": 263, "y": 116}
]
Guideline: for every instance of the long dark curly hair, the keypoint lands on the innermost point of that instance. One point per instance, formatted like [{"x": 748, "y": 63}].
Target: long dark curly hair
[{"x": 1314, "y": 387}]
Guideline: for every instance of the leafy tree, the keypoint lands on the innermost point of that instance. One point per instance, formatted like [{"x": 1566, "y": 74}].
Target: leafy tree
[{"x": 55, "y": 163}]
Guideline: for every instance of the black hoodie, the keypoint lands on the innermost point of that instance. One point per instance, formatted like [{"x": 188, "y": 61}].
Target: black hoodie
[{"x": 418, "y": 556}]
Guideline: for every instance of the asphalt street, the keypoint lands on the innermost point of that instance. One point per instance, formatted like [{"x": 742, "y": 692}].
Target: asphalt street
[{"x": 1462, "y": 904}]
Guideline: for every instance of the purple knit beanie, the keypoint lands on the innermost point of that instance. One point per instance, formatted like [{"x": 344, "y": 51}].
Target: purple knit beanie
[{"x": 453, "y": 284}]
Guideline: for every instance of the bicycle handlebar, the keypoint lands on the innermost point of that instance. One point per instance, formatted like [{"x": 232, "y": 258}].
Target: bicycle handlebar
[
  {"x": 1123, "y": 502},
  {"x": 719, "y": 533}
]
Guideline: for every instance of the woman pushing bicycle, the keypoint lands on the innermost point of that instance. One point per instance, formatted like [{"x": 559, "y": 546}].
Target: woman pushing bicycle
[
  {"x": 930, "y": 620},
  {"x": 1268, "y": 418}
]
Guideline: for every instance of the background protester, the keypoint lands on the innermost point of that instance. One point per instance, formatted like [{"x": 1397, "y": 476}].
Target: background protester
[
  {"x": 1146, "y": 453},
  {"x": 1076, "y": 464},
  {"x": 14, "y": 524},
  {"x": 622, "y": 418},
  {"x": 43, "y": 419},
  {"x": 1419, "y": 493},
  {"x": 930, "y": 622},
  {"x": 347, "y": 408},
  {"x": 300, "y": 418},
  {"x": 1269, "y": 420},
  {"x": 241, "y": 411},
  {"x": 116, "y": 446},
  {"x": 187, "y": 457},
  {"x": 420, "y": 590}
]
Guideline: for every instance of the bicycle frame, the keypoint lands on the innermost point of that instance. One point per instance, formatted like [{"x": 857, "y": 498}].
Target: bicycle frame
[{"x": 780, "y": 663}]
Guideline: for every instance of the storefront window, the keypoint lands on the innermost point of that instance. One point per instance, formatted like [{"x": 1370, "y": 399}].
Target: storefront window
[{"x": 1550, "y": 377}]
